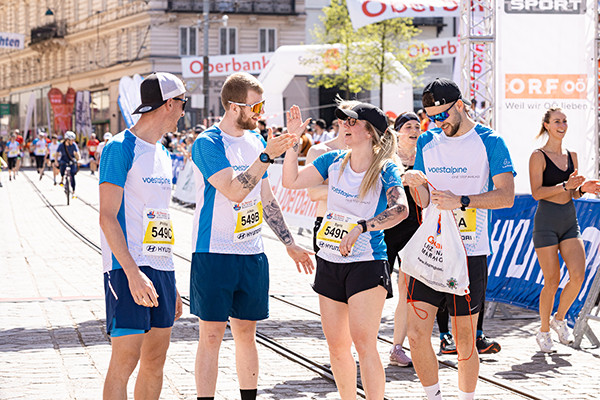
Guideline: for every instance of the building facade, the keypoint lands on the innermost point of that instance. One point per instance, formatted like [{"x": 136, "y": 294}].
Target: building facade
[{"x": 91, "y": 44}]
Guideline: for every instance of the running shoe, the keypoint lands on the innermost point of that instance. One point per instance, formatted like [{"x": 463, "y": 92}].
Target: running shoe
[
  {"x": 398, "y": 357},
  {"x": 544, "y": 340},
  {"x": 563, "y": 331},
  {"x": 487, "y": 346},
  {"x": 447, "y": 345}
]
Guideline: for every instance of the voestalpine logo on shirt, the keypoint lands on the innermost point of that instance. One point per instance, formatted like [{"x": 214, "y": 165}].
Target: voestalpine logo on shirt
[
  {"x": 156, "y": 180},
  {"x": 447, "y": 170},
  {"x": 342, "y": 193}
]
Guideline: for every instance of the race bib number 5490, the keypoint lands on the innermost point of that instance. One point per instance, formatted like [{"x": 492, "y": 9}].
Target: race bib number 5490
[{"x": 158, "y": 233}]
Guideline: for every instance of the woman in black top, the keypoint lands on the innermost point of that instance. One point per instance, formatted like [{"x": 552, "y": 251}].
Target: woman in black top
[
  {"x": 555, "y": 182},
  {"x": 408, "y": 127}
]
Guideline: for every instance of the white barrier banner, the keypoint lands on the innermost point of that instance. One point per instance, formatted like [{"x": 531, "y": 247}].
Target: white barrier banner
[
  {"x": 297, "y": 208},
  {"x": 365, "y": 12},
  {"x": 254, "y": 63},
  {"x": 547, "y": 67},
  {"x": 15, "y": 41},
  {"x": 435, "y": 48}
]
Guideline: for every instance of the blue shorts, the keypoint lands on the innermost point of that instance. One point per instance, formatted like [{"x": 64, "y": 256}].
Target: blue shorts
[
  {"x": 124, "y": 316},
  {"x": 229, "y": 285}
]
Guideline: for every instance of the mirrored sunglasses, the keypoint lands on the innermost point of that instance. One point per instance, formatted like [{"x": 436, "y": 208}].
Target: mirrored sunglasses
[{"x": 255, "y": 108}]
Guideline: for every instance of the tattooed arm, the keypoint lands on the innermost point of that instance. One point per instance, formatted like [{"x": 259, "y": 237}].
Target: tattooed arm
[
  {"x": 237, "y": 187},
  {"x": 396, "y": 211},
  {"x": 274, "y": 217}
]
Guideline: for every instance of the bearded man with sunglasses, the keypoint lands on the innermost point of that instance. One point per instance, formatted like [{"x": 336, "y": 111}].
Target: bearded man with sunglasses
[
  {"x": 230, "y": 272},
  {"x": 470, "y": 172}
]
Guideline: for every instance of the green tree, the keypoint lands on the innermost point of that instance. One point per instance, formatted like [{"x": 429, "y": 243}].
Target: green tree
[{"x": 362, "y": 61}]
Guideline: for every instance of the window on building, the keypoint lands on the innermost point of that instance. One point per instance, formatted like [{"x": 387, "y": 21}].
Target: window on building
[
  {"x": 187, "y": 41},
  {"x": 227, "y": 40},
  {"x": 100, "y": 106},
  {"x": 267, "y": 39}
]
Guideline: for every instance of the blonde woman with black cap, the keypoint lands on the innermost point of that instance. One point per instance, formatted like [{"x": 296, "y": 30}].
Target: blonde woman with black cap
[{"x": 365, "y": 196}]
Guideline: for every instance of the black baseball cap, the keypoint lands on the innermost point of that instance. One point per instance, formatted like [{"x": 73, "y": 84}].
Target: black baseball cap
[
  {"x": 442, "y": 91},
  {"x": 365, "y": 112},
  {"x": 404, "y": 118},
  {"x": 156, "y": 89}
]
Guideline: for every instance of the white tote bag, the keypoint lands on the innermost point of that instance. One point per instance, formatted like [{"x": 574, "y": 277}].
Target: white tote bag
[{"x": 436, "y": 256}]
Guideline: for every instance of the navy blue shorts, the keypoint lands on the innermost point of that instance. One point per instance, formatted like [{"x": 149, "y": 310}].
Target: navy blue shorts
[
  {"x": 124, "y": 313},
  {"x": 229, "y": 285}
]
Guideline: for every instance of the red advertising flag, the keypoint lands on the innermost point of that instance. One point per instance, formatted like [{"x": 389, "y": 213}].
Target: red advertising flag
[{"x": 62, "y": 107}]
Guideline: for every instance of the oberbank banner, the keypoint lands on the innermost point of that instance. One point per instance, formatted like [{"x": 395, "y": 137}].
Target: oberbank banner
[
  {"x": 547, "y": 65},
  {"x": 365, "y": 12},
  {"x": 253, "y": 63},
  {"x": 514, "y": 274}
]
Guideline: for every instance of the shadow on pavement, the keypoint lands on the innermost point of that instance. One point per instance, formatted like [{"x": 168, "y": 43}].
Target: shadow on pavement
[{"x": 539, "y": 365}]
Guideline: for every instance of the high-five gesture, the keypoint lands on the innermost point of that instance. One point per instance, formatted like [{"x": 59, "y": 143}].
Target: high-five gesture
[
  {"x": 295, "y": 125},
  {"x": 277, "y": 145}
]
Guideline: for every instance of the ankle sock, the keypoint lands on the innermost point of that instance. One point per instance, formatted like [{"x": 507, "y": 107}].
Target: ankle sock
[
  {"x": 442, "y": 334},
  {"x": 479, "y": 333},
  {"x": 248, "y": 394},
  {"x": 465, "y": 396},
  {"x": 433, "y": 392}
]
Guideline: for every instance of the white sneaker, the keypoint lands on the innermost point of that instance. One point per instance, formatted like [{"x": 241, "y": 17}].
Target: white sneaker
[
  {"x": 563, "y": 331},
  {"x": 544, "y": 340}
]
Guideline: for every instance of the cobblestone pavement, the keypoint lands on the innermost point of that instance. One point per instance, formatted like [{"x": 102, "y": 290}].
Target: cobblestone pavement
[{"x": 53, "y": 342}]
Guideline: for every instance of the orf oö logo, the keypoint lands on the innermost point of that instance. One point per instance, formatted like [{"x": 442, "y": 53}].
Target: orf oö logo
[
  {"x": 237, "y": 207},
  {"x": 329, "y": 216},
  {"x": 331, "y": 59},
  {"x": 150, "y": 215}
]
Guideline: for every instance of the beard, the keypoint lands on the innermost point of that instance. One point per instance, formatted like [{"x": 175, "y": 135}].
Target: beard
[{"x": 244, "y": 122}]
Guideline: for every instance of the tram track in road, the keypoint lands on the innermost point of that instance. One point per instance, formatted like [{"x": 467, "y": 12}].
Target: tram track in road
[{"x": 267, "y": 341}]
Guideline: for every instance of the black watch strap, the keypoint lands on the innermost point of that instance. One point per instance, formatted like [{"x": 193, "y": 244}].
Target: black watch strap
[
  {"x": 464, "y": 202},
  {"x": 264, "y": 157},
  {"x": 363, "y": 225}
]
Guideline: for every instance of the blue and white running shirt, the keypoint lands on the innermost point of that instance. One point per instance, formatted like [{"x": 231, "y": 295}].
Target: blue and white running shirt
[
  {"x": 144, "y": 171},
  {"x": 343, "y": 197},
  {"x": 40, "y": 146},
  {"x": 220, "y": 224},
  {"x": 465, "y": 165}
]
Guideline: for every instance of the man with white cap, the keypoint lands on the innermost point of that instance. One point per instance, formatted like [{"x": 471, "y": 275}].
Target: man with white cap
[
  {"x": 142, "y": 301},
  {"x": 107, "y": 136}
]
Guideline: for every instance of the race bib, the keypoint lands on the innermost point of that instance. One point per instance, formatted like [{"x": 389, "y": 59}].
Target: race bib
[
  {"x": 249, "y": 218},
  {"x": 335, "y": 226},
  {"x": 158, "y": 233},
  {"x": 92, "y": 149},
  {"x": 13, "y": 153},
  {"x": 467, "y": 223}
]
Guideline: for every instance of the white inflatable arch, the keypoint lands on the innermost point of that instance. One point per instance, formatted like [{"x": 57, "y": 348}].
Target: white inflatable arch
[{"x": 287, "y": 62}]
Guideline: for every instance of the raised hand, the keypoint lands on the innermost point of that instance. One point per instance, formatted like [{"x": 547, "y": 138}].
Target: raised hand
[
  {"x": 574, "y": 181},
  {"x": 591, "y": 186},
  {"x": 295, "y": 125}
]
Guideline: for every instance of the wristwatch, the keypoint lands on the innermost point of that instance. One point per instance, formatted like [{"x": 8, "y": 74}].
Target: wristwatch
[
  {"x": 264, "y": 157},
  {"x": 464, "y": 202},
  {"x": 363, "y": 225}
]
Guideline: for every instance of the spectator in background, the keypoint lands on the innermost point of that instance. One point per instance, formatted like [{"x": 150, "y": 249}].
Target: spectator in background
[
  {"x": 92, "y": 145},
  {"x": 555, "y": 182},
  {"x": 306, "y": 141},
  {"x": 335, "y": 128},
  {"x": 107, "y": 136},
  {"x": 262, "y": 127},
  {"x": 320, "y": 134},
  {"x": 424, "y": 120}
]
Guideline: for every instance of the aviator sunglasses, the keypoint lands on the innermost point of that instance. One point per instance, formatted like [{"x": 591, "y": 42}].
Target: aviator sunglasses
[
  {"x": 255, "y": 108},
  {"x": 441, "y": 117}
]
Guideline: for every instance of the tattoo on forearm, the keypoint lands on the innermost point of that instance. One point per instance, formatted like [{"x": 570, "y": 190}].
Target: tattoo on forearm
[
  {"x": 296, "y": 146},
  {"x": 274, "y": 218},
  {"x": 247, "y": 180},
  {"x": 396, "y": 205}
]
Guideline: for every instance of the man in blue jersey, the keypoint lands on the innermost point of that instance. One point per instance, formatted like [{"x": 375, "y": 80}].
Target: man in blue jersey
[
  {"x": 142, "y": 302},
  {"x": 470, "y": 172},
  {"x": 230, "y": 272}
]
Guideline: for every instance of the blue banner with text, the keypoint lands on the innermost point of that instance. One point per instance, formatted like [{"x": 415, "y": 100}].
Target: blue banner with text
[{"x": 514, "y": 273}]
